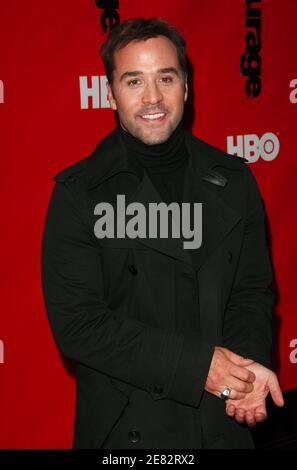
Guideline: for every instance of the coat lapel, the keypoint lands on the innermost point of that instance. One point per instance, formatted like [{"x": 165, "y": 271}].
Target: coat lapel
[
  {"x": 201, "y": 184},
  {"x": 146, "y": 193}
]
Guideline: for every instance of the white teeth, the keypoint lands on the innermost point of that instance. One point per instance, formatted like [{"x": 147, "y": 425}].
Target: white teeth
[{"x": 153, "y": 116}]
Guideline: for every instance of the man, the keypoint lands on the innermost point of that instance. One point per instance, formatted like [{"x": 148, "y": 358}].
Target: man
[{"x": 172, "y": 344}]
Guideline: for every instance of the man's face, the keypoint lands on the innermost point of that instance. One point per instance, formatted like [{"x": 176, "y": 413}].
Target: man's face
[{"x": 148, "y": 89}]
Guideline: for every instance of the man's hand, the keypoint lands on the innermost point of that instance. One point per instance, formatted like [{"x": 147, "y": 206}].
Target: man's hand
[
  {"x": 252, "y": 408},
  {"x": 227, "y": 369}
]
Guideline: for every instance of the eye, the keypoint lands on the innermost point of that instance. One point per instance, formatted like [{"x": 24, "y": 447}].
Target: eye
[
  {"x": 133, "y": 82},
  {"x": 166, "y": 79}
]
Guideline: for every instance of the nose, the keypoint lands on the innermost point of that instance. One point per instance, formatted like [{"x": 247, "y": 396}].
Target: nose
[{"x": 151, "y": 94}]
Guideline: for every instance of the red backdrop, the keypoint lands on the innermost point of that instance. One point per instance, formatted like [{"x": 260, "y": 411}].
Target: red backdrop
[{"x": 48, "y": 56}]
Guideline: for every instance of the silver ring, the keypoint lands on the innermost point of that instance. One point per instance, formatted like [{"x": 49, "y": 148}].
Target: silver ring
[{"x": 226, "y": 393}]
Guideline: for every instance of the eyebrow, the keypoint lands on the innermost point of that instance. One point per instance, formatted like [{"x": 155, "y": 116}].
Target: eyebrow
[{"x": 135, "y": 73}]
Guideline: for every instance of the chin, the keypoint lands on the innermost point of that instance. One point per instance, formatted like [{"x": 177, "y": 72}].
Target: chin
[{"x": 154, "y": 138}]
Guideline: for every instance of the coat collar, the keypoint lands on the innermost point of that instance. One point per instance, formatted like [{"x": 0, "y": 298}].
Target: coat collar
[
  {"x": 202, "y": 184},
  {"x": 111, "y": 157}
]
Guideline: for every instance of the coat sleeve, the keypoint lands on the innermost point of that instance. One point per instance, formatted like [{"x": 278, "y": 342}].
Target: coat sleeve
[
  {"x": 248, "y": 316},
  {"x": 86, "y": 330}
]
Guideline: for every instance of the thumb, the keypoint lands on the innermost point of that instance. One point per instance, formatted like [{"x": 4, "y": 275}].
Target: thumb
[{"x": 275, "y": 391}]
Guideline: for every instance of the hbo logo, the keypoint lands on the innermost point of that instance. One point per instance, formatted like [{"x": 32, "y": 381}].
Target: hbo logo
[{"x": 252, "y": 147}]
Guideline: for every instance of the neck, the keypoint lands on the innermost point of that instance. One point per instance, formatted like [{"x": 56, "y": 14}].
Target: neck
[{"x": 167, "y": 156}]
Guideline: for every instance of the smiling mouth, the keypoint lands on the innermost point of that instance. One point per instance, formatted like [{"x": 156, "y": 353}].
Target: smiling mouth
[{"x": 153, "y": 117}]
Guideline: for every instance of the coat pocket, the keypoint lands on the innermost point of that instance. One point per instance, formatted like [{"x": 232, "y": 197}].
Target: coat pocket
[
  {"x": 123, "y": 389},
  {"x": 97, "y": 415},
  {"x": 113, "y": 406}
]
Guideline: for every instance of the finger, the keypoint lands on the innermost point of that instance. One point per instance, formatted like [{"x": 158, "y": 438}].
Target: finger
[
  {"x": 240, "y": 415},
  {"x": 276, "y": 392},
  {"x": 237, "y": 359},
  {"x": 243, "y": 374},
  {"x": 250, "y": 418},
  {"x": 244, "y": 361},
  {"x": 261, "y": 413},
  {"x": 260, "y": 417},
  {"x": 230, "y": 410},
  {"x": 234, "y": 395},
  {"x": 239, "y": 386}
]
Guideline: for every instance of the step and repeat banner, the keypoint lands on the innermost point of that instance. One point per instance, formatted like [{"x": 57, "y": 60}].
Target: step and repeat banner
[{"x": 54, "y": 110}]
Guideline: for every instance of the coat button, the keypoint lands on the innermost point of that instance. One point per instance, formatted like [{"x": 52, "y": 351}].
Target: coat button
[
  {"x": 158, "y": 390},
  {"x": 134, "y": 436},
  {"x": 230, "y": 256},
  {"x": 132, "y": 268}
]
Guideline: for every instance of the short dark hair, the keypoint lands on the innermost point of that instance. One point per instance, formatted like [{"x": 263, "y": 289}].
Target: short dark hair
[{"x": 140, "y": 29}]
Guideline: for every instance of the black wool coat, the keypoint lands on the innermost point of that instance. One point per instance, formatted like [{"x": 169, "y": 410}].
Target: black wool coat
[{"x": 141, "y": 317}]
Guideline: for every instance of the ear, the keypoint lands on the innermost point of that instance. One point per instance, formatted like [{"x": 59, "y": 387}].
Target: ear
[
  {"x": 110, "y": 97},
  {"x": 186, "y": 89}
]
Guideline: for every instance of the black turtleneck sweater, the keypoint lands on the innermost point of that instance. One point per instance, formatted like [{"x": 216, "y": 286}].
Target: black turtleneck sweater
[{"x": 165, "y": 163}]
